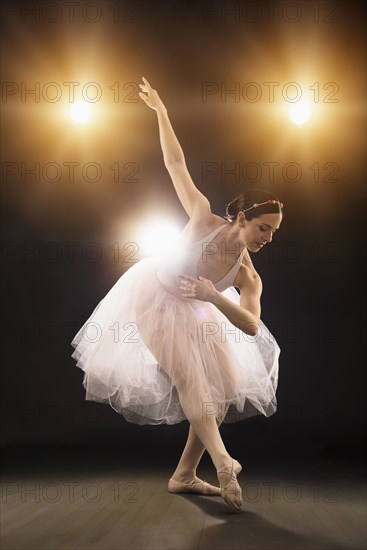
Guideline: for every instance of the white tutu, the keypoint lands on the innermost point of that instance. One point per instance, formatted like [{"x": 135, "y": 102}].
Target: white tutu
[{"x": 141, "y": 339}]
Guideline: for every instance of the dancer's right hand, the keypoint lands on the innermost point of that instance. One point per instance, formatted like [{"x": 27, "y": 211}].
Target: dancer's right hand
[{"x": 151, "y": 97}]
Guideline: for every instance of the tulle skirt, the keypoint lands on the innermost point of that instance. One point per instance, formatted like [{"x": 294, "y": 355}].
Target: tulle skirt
[{"x": 158, "y": 358}]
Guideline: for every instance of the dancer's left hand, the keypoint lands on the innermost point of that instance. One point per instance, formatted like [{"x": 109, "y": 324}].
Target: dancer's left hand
[{"x": 199, "y": 289}]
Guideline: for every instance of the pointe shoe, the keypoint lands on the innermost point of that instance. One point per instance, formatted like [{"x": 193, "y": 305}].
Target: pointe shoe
[
  {"x": 196, "y": 485},
  {"x": 230, "y": 490}
]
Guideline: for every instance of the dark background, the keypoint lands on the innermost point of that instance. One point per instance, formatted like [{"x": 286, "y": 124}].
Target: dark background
[{"x": 313, "y": 272}]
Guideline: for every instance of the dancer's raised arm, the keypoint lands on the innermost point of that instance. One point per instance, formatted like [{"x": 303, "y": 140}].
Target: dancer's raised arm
[{"x": 192, "y": 200}]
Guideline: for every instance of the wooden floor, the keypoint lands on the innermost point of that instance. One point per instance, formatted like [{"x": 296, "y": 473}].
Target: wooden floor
[{"x": 131, "y": 509}]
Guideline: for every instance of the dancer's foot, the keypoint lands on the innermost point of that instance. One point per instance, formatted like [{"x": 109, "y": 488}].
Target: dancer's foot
[
  {"x": 194, "y": 485},
  {"x": 230, "y": 489}
]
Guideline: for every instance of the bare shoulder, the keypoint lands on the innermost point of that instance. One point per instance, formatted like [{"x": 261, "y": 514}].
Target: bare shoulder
[{"x": 199, "y": 226}]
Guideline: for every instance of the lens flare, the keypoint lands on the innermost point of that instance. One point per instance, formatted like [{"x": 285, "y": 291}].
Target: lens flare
[
  {"x": 80, "y": 112},
  {"x": 300, "y": 113},
  {"x": 158, "y": 238}
]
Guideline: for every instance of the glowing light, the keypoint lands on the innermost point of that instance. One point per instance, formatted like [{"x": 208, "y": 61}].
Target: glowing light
[
  {"x": 158, "y": 237},
  {"x": 300, "y": 113},
  {"x": 80, "y": 112}
]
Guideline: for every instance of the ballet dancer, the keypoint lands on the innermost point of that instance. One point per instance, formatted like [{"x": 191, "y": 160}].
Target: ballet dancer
[{"x": 199, "y": 346}]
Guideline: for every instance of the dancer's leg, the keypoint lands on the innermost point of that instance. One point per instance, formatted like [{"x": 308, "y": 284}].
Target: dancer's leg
[
  {"x": 227, "y": 468},
  {"x": 207, "y": 431},
  {"x": 190, "y": 458},
  {"x": 205, "y": 428},
  {"x": 192, "y": 453}
]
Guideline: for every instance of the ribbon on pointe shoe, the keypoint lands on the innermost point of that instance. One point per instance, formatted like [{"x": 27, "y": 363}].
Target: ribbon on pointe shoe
[{"x": 231, "y": 491}]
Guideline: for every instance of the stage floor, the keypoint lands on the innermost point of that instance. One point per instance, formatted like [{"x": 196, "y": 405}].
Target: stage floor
[{"x": 75, "y": 501}]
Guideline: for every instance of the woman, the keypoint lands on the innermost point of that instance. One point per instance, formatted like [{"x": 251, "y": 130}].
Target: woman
[{"x": 167, "y": 343}]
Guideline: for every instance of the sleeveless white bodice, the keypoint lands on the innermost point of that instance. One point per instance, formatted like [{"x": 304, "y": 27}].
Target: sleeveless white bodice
[{"x": 184, "y": 261}]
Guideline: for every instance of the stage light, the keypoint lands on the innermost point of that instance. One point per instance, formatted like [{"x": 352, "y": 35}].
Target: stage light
[
  {"x": 158, "y": 237},
  {"x": 300, "y": 113},
  {"x": 80, "y": 112}
]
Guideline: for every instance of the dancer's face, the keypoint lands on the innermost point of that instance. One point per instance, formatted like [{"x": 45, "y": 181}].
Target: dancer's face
[{"x": 259, "y": 231}]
